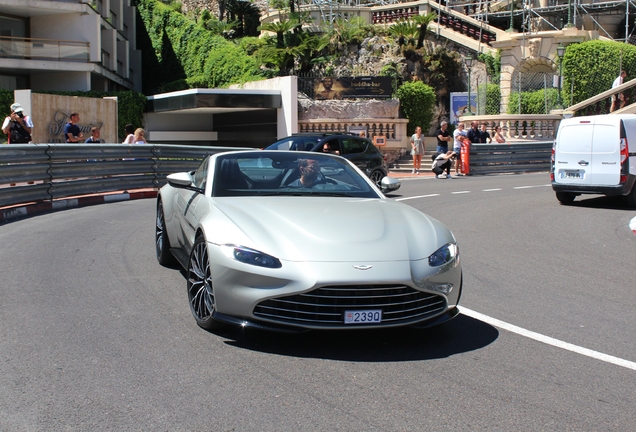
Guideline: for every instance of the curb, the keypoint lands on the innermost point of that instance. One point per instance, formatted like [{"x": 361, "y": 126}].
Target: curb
[{"x": 69, "y": 203}]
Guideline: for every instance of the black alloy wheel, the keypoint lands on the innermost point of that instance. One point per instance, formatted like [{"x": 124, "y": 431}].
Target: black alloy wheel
[
  {"x": 376, "y": 177},
  {"x": 200, "y": 289}
]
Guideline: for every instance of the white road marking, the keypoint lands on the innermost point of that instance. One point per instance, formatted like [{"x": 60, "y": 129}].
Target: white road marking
[
  {"x": 528, "y": 187},
  {"x": 491, "y": 190},
  {"x": 632, "y": 225},
  {"x": 548, "y": 340},
  {"x": 415, "y": 197},
  {"x": 460, "y": 192}
]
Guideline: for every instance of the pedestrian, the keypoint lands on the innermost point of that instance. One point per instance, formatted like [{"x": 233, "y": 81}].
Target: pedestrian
[
  {"x": 95, "y": 137},
  {"x": 17, "y": 126},
  {"x": 458, "y": 138},
  {"x": 443, "y": 137},
  {"x": 473, "y": 132},
  {"x": 496, "y": 133},
  {"x": 417, "y": 150},
  {"x": 619, "y": 97},
  {"x": 443, "y": 162},
  {"x": 72, "y": 132},
  {"x": 483, "y": 135},
  {"x": 139, "y": 136},
  {"x": 130, "y": 134}
]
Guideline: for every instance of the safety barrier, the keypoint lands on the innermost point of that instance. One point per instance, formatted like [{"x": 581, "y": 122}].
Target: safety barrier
[
  {"x": 510, "y": 158},
  {"x": 46, "y": 172}
]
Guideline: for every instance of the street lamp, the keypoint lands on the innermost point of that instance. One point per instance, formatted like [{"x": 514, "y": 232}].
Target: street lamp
[
  {"x": 469, "y": 63},
  {"x": 560, "y": 53}
]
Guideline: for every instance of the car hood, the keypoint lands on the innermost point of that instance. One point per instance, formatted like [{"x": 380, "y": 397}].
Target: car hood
[{"x": 329, "y": 229}]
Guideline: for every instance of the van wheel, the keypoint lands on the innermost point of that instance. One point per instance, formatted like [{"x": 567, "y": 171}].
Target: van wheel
[
  {"x": 565, "y": 197},
  {"x": 631, "y": 198}
]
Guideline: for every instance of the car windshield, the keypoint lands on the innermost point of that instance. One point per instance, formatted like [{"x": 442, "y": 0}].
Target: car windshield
[{"x": 268, "y": 173}]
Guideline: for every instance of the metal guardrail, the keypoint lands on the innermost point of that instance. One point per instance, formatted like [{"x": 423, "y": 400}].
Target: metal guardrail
[
  {"x": 513, "y": 158},
  {"x": 46, "y": 172}
]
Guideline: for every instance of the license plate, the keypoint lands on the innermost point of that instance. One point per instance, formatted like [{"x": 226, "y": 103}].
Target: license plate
[
  {"x": 572, "y": 175},
  {"x": 363, "y": 316}
]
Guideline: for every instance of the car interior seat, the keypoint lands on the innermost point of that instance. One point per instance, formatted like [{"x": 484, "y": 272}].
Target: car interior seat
[{"x": 231, "y": 176}]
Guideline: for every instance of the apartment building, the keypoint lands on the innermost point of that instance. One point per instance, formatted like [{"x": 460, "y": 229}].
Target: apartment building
[{"x": 67, "y": 45}]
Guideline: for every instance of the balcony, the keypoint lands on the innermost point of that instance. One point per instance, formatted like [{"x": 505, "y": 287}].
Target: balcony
[{"x": 43, "y": 49}]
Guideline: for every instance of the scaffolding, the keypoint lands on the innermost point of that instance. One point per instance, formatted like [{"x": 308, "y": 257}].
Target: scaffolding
[{"x": 523, "y": 16}]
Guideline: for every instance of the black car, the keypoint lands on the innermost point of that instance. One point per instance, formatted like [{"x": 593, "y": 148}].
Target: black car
[{"x": 358, "y": 150}]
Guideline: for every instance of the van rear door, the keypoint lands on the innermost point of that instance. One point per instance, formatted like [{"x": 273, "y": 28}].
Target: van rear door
[
  {"x": 573, "y": 156},
  {"x": 605, "y": 162}
]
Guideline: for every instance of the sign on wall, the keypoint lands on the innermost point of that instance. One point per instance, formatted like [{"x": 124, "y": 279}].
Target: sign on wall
[
  {"x": 459, "y": 105},
  {"x": 353, "y": 87}
]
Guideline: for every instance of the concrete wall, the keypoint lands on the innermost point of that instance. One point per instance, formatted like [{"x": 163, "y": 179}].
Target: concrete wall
[
  {"x": 288, "y": 113},
  {"x": 50, "y": 114}
]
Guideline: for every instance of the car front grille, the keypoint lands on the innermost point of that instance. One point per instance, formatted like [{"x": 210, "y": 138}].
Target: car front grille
[{"x": 326, "y": 306}]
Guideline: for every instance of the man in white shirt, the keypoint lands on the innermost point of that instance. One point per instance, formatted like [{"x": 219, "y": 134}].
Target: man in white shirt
[
  {"x": 17, "y": 126},
  {"x": 457, "y": 146},
  {"x": 618, "y": 97}
]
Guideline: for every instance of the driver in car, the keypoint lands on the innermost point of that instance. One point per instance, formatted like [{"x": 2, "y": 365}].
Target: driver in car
[{"x": 309, "y": 174}]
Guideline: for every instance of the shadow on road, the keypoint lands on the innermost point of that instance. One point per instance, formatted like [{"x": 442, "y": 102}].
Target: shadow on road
[
  {"x": 460, "y": 335},
  {"x": 602, "y": 202}
]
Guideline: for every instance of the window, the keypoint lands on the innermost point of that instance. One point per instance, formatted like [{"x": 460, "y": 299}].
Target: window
[
  {"x": 353, "y": 145},
  {"x": 201, "y": 174}
]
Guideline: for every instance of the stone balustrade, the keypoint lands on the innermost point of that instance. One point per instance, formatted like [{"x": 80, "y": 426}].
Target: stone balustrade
[
  {"x": 520, "y": 127},
  {"x": 394, "y": 130}
]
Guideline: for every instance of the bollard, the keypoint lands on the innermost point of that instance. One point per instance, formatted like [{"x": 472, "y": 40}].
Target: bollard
[{"x": 465, "y": 157}]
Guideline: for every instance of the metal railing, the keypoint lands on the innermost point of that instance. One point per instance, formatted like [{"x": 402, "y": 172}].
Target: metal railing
[
  {"x": 45, "y": 172},
  {"x": 514, "y": 158},
  {"x": 601, "y": 103},
  {"x": 33, "y": 48}
]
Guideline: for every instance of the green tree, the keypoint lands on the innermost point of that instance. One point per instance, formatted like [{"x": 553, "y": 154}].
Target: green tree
[{"x": 417, "y": 101}]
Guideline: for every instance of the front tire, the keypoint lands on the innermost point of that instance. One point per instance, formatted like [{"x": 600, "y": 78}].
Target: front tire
[
  {"x": 162, "y": 244},
  {"x": 565, "y": 197},
  {"x": 200, "y": 289}
]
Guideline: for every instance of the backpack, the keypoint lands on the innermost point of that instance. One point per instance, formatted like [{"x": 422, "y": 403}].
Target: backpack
[{"x": 435, "y": 155}]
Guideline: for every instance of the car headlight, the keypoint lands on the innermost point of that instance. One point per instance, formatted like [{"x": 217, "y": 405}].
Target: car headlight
[
  {"x": 250, "y": 256},
  {"x": 446, "y": 254}
]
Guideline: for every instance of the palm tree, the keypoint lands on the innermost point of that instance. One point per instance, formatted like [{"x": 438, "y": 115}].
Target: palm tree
[
  {"x": 423, "y": 21},
  {"x": 405, "y": 31},
  {"x": 280, "y": 28}
]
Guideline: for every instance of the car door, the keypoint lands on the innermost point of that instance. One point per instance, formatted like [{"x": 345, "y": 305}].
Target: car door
[
  {"x": 605, "y": 161},
  {"x": 188, "y": 207},
  {"x": 573, "y": 153},
  {"x": 353, "y": 149}
]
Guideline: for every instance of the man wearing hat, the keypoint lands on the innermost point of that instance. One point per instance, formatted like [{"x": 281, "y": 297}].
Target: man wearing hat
[{"x": 17, "y": 126}]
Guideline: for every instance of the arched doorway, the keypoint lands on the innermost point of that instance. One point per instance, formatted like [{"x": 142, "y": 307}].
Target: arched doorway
[{"x": 533, "y": 87}]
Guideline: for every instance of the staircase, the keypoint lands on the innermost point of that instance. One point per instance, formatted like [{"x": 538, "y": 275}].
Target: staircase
[{"x": 404, "y": 165}]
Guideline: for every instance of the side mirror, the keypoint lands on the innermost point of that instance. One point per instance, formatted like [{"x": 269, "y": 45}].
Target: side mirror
[
  {"x": 180, "y": 180},
  {"x": 390, "y": 184}
]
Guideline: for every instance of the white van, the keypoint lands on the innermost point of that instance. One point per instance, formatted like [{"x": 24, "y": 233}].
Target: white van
[{"x": 591, "y": 155}]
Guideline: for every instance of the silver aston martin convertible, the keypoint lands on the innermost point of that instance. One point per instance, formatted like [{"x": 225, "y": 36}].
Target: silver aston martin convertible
[{"x": 294, "y": 241}]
